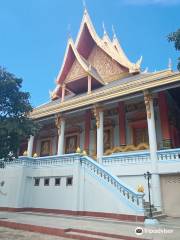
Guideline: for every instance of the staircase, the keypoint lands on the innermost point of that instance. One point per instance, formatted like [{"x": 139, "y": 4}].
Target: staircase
[
  {"x": 155, "y": 213},
  {"x": 135, "y": 199}
]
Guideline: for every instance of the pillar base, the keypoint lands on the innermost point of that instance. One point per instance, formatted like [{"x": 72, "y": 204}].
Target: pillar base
[{"x": 167, "y": 143}]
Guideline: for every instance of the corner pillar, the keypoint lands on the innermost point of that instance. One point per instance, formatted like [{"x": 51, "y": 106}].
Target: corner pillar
[
  {"x": 60, "y": 124},
  {"x": 30, "y": 146},
  {"x": 156, "y": 188},
  {"x": 99, "y": 115}
]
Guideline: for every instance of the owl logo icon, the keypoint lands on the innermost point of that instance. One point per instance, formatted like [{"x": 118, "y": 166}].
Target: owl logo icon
[{"x": 139, "y": 231}]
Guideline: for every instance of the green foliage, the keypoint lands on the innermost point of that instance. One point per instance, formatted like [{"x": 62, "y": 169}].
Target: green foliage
[
  {"x": 15, "y": 125},
  {"x": 175, "y": 37}
]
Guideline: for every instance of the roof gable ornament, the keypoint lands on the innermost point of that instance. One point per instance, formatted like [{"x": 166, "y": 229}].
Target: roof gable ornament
[{"x": 104, "y": 28}]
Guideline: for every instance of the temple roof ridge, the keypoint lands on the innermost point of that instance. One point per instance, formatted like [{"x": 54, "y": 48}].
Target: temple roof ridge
[
  {"x": 117, "y": 46},
  {"x": 118, "y": 55},
  {"x": 87, "y": 20}
]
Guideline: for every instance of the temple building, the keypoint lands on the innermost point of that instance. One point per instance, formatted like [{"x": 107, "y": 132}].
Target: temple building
[{"x": 107, "y": 124}]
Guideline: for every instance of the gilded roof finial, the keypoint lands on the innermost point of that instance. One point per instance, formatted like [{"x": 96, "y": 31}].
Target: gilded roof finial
[
  {"x": 170, "y": 64},
  {"x": 114, "y": 33},
  {"x": 104, "y": 28}
]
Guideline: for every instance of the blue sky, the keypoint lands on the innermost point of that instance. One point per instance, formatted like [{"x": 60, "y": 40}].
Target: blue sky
[{"x": 33, "y": 35}]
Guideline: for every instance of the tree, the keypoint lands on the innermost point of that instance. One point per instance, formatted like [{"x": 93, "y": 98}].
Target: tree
[
  {"x": 175, "y": 37},
  {"x": 15, "y": 107}
]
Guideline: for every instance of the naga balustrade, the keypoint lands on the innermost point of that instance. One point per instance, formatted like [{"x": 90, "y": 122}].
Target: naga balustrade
[{"x": 101, "y": 173}]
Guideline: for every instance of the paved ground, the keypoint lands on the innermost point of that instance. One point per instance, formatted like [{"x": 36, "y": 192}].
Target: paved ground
[
  {"x": 168, "y": 228},
  {"x": 11, "y": 234}
]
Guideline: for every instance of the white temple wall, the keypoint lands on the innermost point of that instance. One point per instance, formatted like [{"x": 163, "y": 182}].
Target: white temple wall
[
  {"x": 85, "y": 194},
  {"x": 12, "y": 193}
]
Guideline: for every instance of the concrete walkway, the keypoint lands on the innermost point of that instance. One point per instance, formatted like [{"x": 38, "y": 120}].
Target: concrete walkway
[
  {"x": 11, "y": 234},
  {"x": 168, "y": 228}
]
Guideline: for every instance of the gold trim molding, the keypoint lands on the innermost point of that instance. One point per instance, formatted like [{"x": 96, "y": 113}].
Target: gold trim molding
[{"x": 141, "y": 146}]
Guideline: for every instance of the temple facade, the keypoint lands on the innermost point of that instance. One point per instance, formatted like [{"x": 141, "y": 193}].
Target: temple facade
[{"x": 107, "y": 124}]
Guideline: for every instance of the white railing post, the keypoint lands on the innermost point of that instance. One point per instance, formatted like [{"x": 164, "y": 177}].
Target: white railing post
[{"x": 156, "y": 189}]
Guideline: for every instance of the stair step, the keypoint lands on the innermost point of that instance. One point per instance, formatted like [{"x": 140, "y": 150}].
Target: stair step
[
  {"x": 160, "y": 216},
  {"x": 148, "y": 209},
  {"x": 83, "y": 235},
  {"x": 154, "y": 212}
]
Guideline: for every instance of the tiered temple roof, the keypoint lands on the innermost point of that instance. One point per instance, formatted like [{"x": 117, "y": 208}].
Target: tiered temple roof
[
  {"x": 102, "y": 59},
  {"x": 112, "y": 74}
]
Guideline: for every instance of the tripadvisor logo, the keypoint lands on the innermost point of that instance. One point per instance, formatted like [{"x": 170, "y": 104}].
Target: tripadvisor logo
[{"x": 139, "y": 231}]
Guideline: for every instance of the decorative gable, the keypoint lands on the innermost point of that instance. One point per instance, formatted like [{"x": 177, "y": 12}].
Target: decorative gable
[
  {"x": 75, "y": 72},
  {"x": 108, "y": 69}
]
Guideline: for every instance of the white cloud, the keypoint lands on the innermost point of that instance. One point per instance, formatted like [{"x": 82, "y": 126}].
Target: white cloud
[{"x": 152, "y": 2}]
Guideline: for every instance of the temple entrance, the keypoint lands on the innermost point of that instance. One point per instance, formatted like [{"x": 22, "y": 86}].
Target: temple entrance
[
  {"x": 71, "y": 144},
  {"x": 45, "y": 149},
  {"x": 140, "y": 136}
]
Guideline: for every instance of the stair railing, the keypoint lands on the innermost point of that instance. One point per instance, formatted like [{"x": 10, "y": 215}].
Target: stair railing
[{"x": 133, "y": 197}]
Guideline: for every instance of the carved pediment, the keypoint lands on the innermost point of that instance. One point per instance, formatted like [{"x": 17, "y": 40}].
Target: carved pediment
[
  {"x": 107, "y": 68},
  {"x": 75, "y": 72}
]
